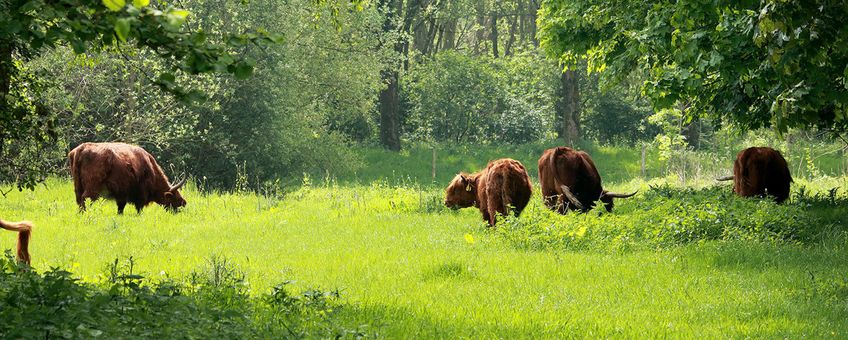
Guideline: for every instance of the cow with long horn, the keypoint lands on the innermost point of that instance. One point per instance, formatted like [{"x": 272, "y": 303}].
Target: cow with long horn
[
  {"x": 570, "y": 181},
  {"x": 123, "y": 172},
  {"x": 760, "y": 171}
]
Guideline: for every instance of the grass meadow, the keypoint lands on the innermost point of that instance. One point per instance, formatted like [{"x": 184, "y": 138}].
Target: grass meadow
[{"x": 675, "y": 261}]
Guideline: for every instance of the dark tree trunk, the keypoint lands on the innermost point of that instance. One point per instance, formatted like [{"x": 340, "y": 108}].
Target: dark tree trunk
[
  {"x": 568, "y": 107},
  {"x": 6, "y": 70},
  {"x": 534, "y": 10},
  {"x": 389, "y": 108},
  {"x": 389, "y": 103}
]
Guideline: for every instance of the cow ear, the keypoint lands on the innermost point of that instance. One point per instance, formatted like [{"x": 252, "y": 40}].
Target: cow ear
[{"x": 168, "y": 194}]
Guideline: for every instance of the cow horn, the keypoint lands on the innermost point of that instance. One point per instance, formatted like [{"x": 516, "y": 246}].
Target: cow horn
[
  {"x": 617, "y": 195},
  {"x": 179, "y": 184},
  {"x": 567, "y": 192},
  {"x": 725, "y": 178}
]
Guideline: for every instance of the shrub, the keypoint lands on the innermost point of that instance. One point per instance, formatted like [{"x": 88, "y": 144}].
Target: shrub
[
  {"x": 214, "y": 303},
  {"x": 665, "y": 217}
]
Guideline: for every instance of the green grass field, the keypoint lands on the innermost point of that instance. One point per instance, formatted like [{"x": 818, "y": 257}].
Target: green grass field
[{"x": 405, "y": 266}]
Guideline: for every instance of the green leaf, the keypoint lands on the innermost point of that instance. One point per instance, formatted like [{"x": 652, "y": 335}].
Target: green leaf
[
  {"x": 114, "y": 5},
  {"x": 168, "y": 79},
  {"x": 122, "y": 28},
  {"x": 845, "y": 77},
  {"x": 176, "y": 17},
  {"x": 141, "y": 3},
  {"x": 243, "y": 70},
  {"x": 78, "y": 46}
]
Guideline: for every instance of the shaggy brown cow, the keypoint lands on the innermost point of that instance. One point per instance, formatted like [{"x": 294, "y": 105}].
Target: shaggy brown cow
[
  {"x": 570, "y": 181},
  {"x": 760, "y": 171},
  {"x": 503, "y": 183},
  {"x": 24, "y": 228},
  {"x": 126, "y": 173}
]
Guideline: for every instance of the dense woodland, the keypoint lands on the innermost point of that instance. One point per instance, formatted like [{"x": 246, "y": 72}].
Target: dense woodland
[{"x": 286, "y": 88}]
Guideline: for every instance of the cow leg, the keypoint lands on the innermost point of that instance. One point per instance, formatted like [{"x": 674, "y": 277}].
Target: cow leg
[
  {"x": 520, "y": 205},
  {"x": 81, "y": 199},
  {"x": 121, "y": 205},
  {"x": 81, "y": 202},
  {"x": 485, "y": 215},
  {"x": 494, "y": 210},
  {"x": 561, "y": 205},
  {"x": 138, "y": 207},
  {"x": 550, "y": 198},
  {"x": 491, "y": 217}
]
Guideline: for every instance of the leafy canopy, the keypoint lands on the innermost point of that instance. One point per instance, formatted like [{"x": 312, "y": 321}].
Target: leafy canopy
[{"x": 754, "y": 63}]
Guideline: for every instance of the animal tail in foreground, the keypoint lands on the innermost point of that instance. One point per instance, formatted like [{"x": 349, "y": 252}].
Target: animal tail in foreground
[{"x": 24, "y": 228}]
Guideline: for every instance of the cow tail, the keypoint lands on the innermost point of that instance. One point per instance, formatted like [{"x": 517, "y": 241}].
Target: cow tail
[
  {"x": 505, "y": 192},
  {"x": 557, "y": 171},
  {"x": 75, "y": 169},
  {"x": 552, "y": 161},
  {"x": 24, "y": 229}
]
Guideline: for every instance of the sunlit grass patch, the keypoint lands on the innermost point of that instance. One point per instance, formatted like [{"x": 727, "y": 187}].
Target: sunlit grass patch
[{"x": 671, "y": 261}]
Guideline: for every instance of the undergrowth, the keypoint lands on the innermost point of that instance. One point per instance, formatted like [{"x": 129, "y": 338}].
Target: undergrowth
[
  {"x": 212, "y": 303},
  {"x": 666, "y": 216}
]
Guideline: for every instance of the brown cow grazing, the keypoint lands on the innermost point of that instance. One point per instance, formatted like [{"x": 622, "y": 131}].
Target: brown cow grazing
[
  {"x": 126, "y": 173},
  {"x": 570, "y": 181},
  {"x": 760, "y": 171},
  {"x": 502, "y": 184},
  {"x": 24, "y": 228}
]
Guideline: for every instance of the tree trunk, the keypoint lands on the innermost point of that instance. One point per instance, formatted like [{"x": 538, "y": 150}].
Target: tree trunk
[
  {"x": 534, "y": 10},
  {"x": 522, "y": 21},
  {"x": 449, "y": 35},
  {"x": 480, "y": 34},
  {"x": 513, "y": 26},
  {"x": 6, "y": 70},
  {"x": 494, "y": 35},
  {"x": 389, "y": 103},
  {"x": 411, "y": 12},
  {"x": 568, "y": 106},
  {"x": 692, "y": 132},
  {"x": 389, "y": 108}
]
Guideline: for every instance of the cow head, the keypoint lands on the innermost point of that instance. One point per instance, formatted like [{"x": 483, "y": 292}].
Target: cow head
[
  {"x": 461, "y": 192},
  {"x": 172, "y": 200},
  {"x": 607, "y": 197}
]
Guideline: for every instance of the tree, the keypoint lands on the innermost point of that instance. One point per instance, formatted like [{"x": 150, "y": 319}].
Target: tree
[
  {"x": 27, "y": 28},
  {"x": 568, "y": 106},
  {"x": 389, "y": 96},
  {"x": 757, "y": 64}
]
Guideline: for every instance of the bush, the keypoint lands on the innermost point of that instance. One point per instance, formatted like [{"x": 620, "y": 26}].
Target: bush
[
  {"x": 213, "y": 304},
  {"x": 458, "y": 98},
  {"x": 665, "y": 216}
]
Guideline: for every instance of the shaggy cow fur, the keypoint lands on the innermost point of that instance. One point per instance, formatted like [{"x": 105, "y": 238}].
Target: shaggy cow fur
[
  {"x": 570, "y": 181},
  {"x": 24, "y": 228},
  {"x": 126, "y": 173},
  {"x": 761, "y": 171},
  {"x": 502, "y": 184}
]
